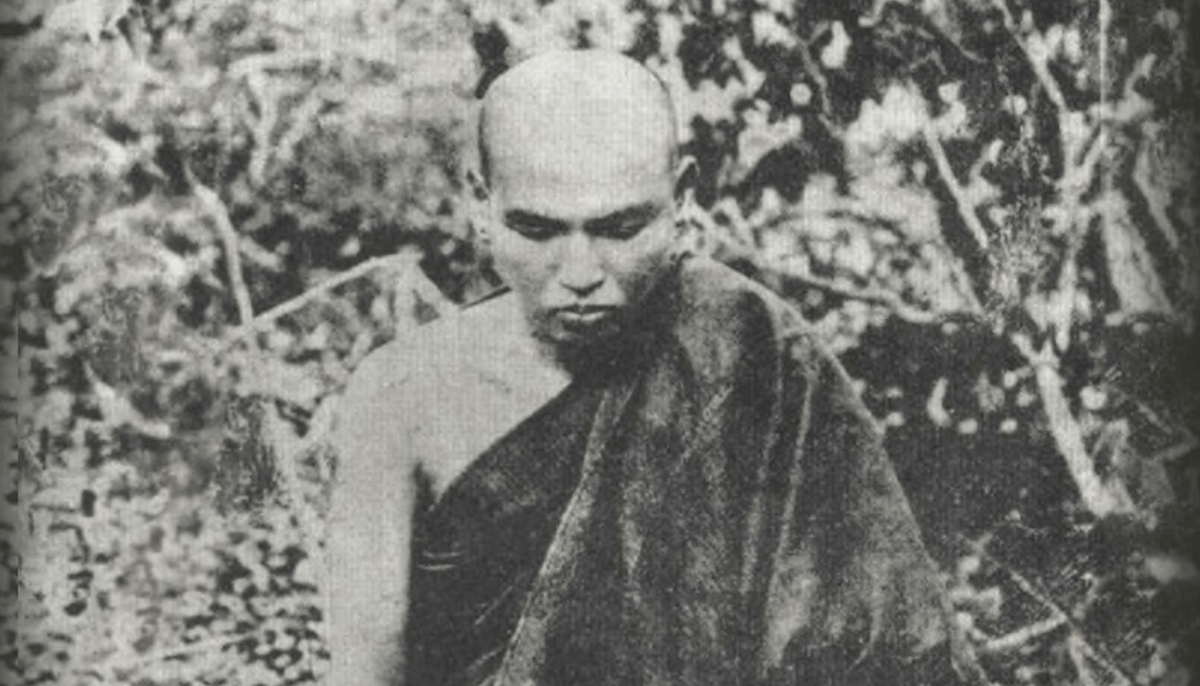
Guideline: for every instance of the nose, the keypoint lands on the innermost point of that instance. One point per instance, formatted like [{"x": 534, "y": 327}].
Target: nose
[{"x": 581, "y": 270}]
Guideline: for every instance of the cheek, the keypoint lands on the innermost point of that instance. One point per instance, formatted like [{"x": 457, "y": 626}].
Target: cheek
[{"x": 523, "y": 265}]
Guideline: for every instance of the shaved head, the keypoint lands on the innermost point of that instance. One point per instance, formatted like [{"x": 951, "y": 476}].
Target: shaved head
[
  {"x": 567, "y": 105},
  {"x": 579, "y": 178}
]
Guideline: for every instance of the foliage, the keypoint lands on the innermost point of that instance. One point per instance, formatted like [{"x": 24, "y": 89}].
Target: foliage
[{"x": 216, "y": 209}]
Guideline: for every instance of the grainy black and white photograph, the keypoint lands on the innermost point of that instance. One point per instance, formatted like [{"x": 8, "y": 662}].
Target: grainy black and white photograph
[{"x": 599, "y": 342}]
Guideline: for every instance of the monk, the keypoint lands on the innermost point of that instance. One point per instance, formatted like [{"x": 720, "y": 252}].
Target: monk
[{"x": 631, "y": 466}]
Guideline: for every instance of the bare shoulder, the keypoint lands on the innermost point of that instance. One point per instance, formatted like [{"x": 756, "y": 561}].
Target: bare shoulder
[
  {"x": 430, "y": 375},
  {"x": 383, "y": 401},
  {"x": 438, "y": 398}
]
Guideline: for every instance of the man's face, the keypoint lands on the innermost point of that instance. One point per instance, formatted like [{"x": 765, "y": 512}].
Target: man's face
[{"x": 582, "y": 225}]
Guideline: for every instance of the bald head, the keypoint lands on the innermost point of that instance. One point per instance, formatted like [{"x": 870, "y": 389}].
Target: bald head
[{"x": 573, "y": 108}]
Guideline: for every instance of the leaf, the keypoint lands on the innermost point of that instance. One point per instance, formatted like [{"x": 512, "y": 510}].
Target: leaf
[
  {"x": 856, "y": 256},
  {"x": 935, "y": 406},
  {"x": 760, "y": 137},
  {"x": 909, "y": 208},
  {"x": 87, "y": 17},
  {"x": 262, "y": 374},
  {"x": 768, "y": 31},
  {"x": 899, "y": 118},
  {"x": 1168, "y": 567},
  {"x": 833, "y": 55}
]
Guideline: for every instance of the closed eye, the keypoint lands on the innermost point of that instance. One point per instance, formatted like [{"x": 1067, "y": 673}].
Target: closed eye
[
  {"x": 536, "y": 233},
  {"x": 619, "y": 231},
  {"x": 627, "y": 223},
  {"x": 532, "y": 226}
]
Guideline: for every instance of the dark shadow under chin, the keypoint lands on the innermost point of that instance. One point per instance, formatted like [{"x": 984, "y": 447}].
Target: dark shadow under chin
[
  {"x": 634, "y": 338},
  {"x": 608, "y": 357}
]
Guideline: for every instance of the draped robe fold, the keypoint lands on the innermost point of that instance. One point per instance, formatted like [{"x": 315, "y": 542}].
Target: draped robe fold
[{"x": 712, "y": 507}]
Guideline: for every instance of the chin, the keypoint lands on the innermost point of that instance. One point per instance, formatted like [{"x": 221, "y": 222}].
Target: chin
[
  {"x": 578, "y": 340},
  {"x": 603, "y": 354}
]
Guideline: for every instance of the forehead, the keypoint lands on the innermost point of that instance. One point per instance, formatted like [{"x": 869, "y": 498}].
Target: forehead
[
  {"x": 579, "y": 163},
  {"x": 577, "y": 174}
]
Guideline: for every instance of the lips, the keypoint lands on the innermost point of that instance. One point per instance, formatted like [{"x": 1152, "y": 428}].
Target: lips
[{"x": 584, "y": 317}]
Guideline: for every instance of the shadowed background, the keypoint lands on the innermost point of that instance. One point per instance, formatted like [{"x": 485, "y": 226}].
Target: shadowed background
[{"x": 213, "y": 210}]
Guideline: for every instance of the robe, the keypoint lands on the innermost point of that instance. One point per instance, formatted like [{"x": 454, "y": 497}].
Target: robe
[{"x": 708, "y": 505}]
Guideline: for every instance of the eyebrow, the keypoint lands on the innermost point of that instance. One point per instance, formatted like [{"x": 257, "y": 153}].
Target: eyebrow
[
  {"x": 533, "y": 220},
  {"x": 641, "y": 212},
  {"x": 629, "y": 215}
]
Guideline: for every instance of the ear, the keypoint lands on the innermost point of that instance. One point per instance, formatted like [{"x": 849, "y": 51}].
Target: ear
[
  {"x": 687, "y": 173},
  {"x": 479, "y": 187},
  {"x": 688, "y": 230},
  {"x": 477, "y": 209}
]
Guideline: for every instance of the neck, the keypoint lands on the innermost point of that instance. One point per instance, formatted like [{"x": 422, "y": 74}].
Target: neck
[
  {"x": 520, "y": 358},
  {"x": 557, "y": 363}
]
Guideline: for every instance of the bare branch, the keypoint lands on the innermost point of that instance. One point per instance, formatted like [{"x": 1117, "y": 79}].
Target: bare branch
[
  {"x": 258, "y": 255},
  {"x": 1029, "y": 588},
  {"x": 423, "y": 64},
  {"x": 1183, "y": 447},
  {"x": 966, "y": 208},
  {"x": 404, "y": 262},
  {"x": 302, "y": 118},
  {"x": 1156, "y": 198},
  {"x": 262, "y": 129},
  {"x": 274, "y": 61},
  {"x": 960, "y": 278},
  {"x": 1023, "y": 636},
  {"x": 1059, "y": 614},
  {"x": 1075, "y": 651},
  {"x": 299, "y": 302},
  {"x": 885, "y": 298},
  {"x": 817, "y": 77},
  {"x": 1103, "y": 20},
  {"x": 1078, "y": 175},
  {"x": 215, "y": 208},
  {"x": 1035, "y": 54},
  {"x": 1078, "y": 647},
  {"x": 1100, "y": 498}
]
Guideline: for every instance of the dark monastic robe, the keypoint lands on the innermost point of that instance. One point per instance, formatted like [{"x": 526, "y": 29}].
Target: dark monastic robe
[{"x": 709, "y": 505}]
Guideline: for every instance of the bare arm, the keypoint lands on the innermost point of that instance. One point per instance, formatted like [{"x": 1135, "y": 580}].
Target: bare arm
[{"x": 370, "y": 533}]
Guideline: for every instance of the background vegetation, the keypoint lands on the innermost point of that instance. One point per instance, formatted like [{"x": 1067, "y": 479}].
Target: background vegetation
[{"x": 213, "y": 210}]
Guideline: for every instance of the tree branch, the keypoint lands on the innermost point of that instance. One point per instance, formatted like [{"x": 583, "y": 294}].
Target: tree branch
[
  {"x": 888, "y": 299},
  {"x": 215, "y": 209},
  {"x": 262, "y": 129},
  {"x": 966, "y": 209},
  {"x": 404, "y": 262},
  {"x": 1100, "y": 498},
  {"x": 903, "y": 310},
  {"x": 1057, "y": 614},
  {"x": 1178, "y": 450},
  {"x": 818, "y": 78},
  {"x": 1023, "y": 636},
  {"x": 1078, "y": 175},
  {"x": 301, "y": 117},
  {"x": 1035, "y": 54},
  {"x": 1156, "y": 198},
  {"x": 299, "y": 302}
]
